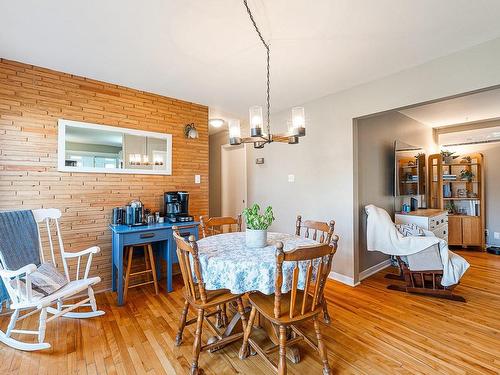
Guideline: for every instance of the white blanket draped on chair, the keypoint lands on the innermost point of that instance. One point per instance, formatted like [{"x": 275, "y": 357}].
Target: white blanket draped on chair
[{"x": 382, "y": 235}]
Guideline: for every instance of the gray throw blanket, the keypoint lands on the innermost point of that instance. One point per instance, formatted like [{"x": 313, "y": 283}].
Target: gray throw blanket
[{"x": 18, "y": 243}]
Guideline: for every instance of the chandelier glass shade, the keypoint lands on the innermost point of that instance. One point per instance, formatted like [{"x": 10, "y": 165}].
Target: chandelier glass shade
[{"x": 259, "y": 137}]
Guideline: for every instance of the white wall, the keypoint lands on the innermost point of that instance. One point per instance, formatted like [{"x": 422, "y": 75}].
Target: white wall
[{"x": 324, "y": 160}]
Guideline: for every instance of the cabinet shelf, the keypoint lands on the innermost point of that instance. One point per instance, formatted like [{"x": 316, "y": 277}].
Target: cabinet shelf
[{"x": 462, "y": 199}]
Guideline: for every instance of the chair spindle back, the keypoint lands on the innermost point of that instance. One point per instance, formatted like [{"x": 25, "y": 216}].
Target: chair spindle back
[
  {"x": 215, "y": 225},
  {"x": 314, "y": 228},
  {"x": 321, "y": 254},
  {"x": 45, "y": 218},
  {"x": 187, "y": 250}
]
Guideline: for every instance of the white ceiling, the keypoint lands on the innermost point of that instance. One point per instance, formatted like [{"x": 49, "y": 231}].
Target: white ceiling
[
  {"x": 470, "y": 108},
  {"x": 206, "y": 51}
]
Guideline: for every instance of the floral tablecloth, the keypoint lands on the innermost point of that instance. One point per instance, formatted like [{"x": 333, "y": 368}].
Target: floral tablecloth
[{"x": 227, "y": 263}]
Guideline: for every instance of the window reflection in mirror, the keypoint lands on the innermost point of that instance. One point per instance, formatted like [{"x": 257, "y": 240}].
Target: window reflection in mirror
[
  {"x": 99, "y": 148},
  {"x": 93, "y": 148}
]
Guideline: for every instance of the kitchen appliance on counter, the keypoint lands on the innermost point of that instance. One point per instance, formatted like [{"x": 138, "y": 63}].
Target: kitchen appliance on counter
[
  {"x": 177, "y": 206},
  {"x": 134, "y": 213},
  {"x": 118, "y": 216}
]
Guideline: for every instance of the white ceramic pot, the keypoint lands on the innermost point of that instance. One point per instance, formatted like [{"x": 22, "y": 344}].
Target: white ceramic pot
[{"x": 256, "y": 237}]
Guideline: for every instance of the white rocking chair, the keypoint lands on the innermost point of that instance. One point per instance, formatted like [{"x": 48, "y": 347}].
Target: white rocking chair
[{"x": 23, "y": 299}]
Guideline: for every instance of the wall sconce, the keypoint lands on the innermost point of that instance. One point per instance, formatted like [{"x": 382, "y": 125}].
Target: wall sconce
[{"x": 190, "y": 131}]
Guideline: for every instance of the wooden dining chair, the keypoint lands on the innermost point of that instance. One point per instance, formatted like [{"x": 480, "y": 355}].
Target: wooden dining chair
[
  {"x": 201, "y": 300},
  {"x": 215, "y": 225},
  {"x": 319, "y": 231},
  {"x": 285, "y": 310}
]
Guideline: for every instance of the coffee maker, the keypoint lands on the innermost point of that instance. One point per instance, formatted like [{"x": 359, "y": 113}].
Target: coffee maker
[{"x": 177, "y": 206}]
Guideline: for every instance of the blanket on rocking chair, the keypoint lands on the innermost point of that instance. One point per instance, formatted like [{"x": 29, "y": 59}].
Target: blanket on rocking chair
[
  {"x": 382, "y": 235},
  {"x": 18, "y": 243}
]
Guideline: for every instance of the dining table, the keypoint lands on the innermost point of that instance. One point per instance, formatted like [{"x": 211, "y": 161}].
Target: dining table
[{"x": 227, "y": 263}]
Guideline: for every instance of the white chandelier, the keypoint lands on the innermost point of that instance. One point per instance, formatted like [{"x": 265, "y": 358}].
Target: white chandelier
[{"x": 258, "y": 137}]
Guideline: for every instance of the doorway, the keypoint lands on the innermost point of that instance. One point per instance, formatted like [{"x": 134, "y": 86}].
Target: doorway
[{"x": 233, "y": 180}]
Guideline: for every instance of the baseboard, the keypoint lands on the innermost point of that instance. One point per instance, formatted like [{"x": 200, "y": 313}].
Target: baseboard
[
  {"x": 342, "y": 278},
  {"x": 374, "y": 269}
]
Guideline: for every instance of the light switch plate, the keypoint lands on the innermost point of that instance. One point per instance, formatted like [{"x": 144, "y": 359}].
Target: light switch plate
[
  {"x": 291, "y": 178},
  {"x": 197, "y": 179},
  {"x": 497, "y": 235}
]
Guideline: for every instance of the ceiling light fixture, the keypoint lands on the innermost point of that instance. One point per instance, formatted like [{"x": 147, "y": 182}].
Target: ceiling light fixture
[
  {"x": 216, "y": 122},
  {"x": 258, "y": 136}
]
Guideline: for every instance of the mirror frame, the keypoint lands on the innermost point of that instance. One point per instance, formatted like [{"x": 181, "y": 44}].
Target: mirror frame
[{"x": 61, "y": 148}]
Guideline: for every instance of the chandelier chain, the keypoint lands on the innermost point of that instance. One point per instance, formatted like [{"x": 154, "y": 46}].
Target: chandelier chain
[{"x": 268, "y": 75}]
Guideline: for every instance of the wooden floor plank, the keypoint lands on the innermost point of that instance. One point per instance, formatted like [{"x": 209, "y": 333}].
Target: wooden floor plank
[{"x": 373, "y": 331}]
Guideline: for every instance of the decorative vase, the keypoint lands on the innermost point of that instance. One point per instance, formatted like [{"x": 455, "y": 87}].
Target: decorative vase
[{"x": 256, "y": 238}]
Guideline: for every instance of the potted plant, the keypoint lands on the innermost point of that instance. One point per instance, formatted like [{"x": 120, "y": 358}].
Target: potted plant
[
  {"x": 466, "y": 160},
  {"x": 466, "y": 175},
  {"x": 257, "y": 224},
  {"x": 450, "y": 207},
  {"x": 448, "y": 156}
]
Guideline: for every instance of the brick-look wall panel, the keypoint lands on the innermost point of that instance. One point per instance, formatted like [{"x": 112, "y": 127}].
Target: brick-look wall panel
[{"x": 32, "y": 99}]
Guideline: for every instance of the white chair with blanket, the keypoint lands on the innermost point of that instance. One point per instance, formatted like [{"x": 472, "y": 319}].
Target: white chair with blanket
[
  {"x": 34, "y": 285},
  {"x": 427, "y": 265}
]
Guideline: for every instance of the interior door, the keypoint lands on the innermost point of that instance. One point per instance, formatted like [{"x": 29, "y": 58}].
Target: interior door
[{"x": 233, "y": 180}]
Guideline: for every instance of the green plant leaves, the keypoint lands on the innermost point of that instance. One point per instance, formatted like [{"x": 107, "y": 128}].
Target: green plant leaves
[{"x": 257, "y": 221}]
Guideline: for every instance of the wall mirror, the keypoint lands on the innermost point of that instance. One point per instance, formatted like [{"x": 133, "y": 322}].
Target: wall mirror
[
  {"x": 86, "y": 147},
  {"x": 410, "y": 175}
]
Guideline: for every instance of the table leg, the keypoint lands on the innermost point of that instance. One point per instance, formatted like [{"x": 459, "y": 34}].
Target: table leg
[
  {"x": 169, "y": 244},
  {"x": 119, "y": 274},
  {"x": 113, "y": 262}
]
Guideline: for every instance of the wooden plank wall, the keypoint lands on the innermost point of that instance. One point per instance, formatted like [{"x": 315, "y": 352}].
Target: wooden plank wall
[{"x": 32, "y": 99}]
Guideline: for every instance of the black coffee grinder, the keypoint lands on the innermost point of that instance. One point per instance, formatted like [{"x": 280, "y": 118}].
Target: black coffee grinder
[{"x": 177, "y": 206}]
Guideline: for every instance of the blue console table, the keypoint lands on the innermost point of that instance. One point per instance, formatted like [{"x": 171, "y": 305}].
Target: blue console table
[{"x": 159, "y": 235}]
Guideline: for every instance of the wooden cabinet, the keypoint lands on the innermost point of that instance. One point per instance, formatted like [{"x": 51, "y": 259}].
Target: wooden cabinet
[
  {"x": 465, "y": 230},
  {"x": 454, "y": 230}
]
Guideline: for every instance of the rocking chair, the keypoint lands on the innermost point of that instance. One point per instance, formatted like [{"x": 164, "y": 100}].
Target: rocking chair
[
  {"x": 427, "y": 282},
  {"x": 24, "y": 298}
]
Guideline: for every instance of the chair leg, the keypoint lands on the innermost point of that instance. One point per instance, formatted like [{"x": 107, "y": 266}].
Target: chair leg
[
  {"x": 12, "y": 323},
  {"x": 326, "y": 315},
  {"x": 92, "y": 301},
  {"x": 197, "y": 343},
  {"x": 42, "y": 325},
  {"x": 130, "y": 253},
  {"x": 246, "y": 335},
  {"x": 282, "y": 357},
  {"x": 322, "y": 348},
  {"x": 153, "y": 268},
  {"x": 241, "y": 311},
  {"x": 182, "y": 324}
]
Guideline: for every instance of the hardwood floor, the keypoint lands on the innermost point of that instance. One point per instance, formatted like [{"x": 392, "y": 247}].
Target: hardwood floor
[{"x": 373, "y": 331}]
